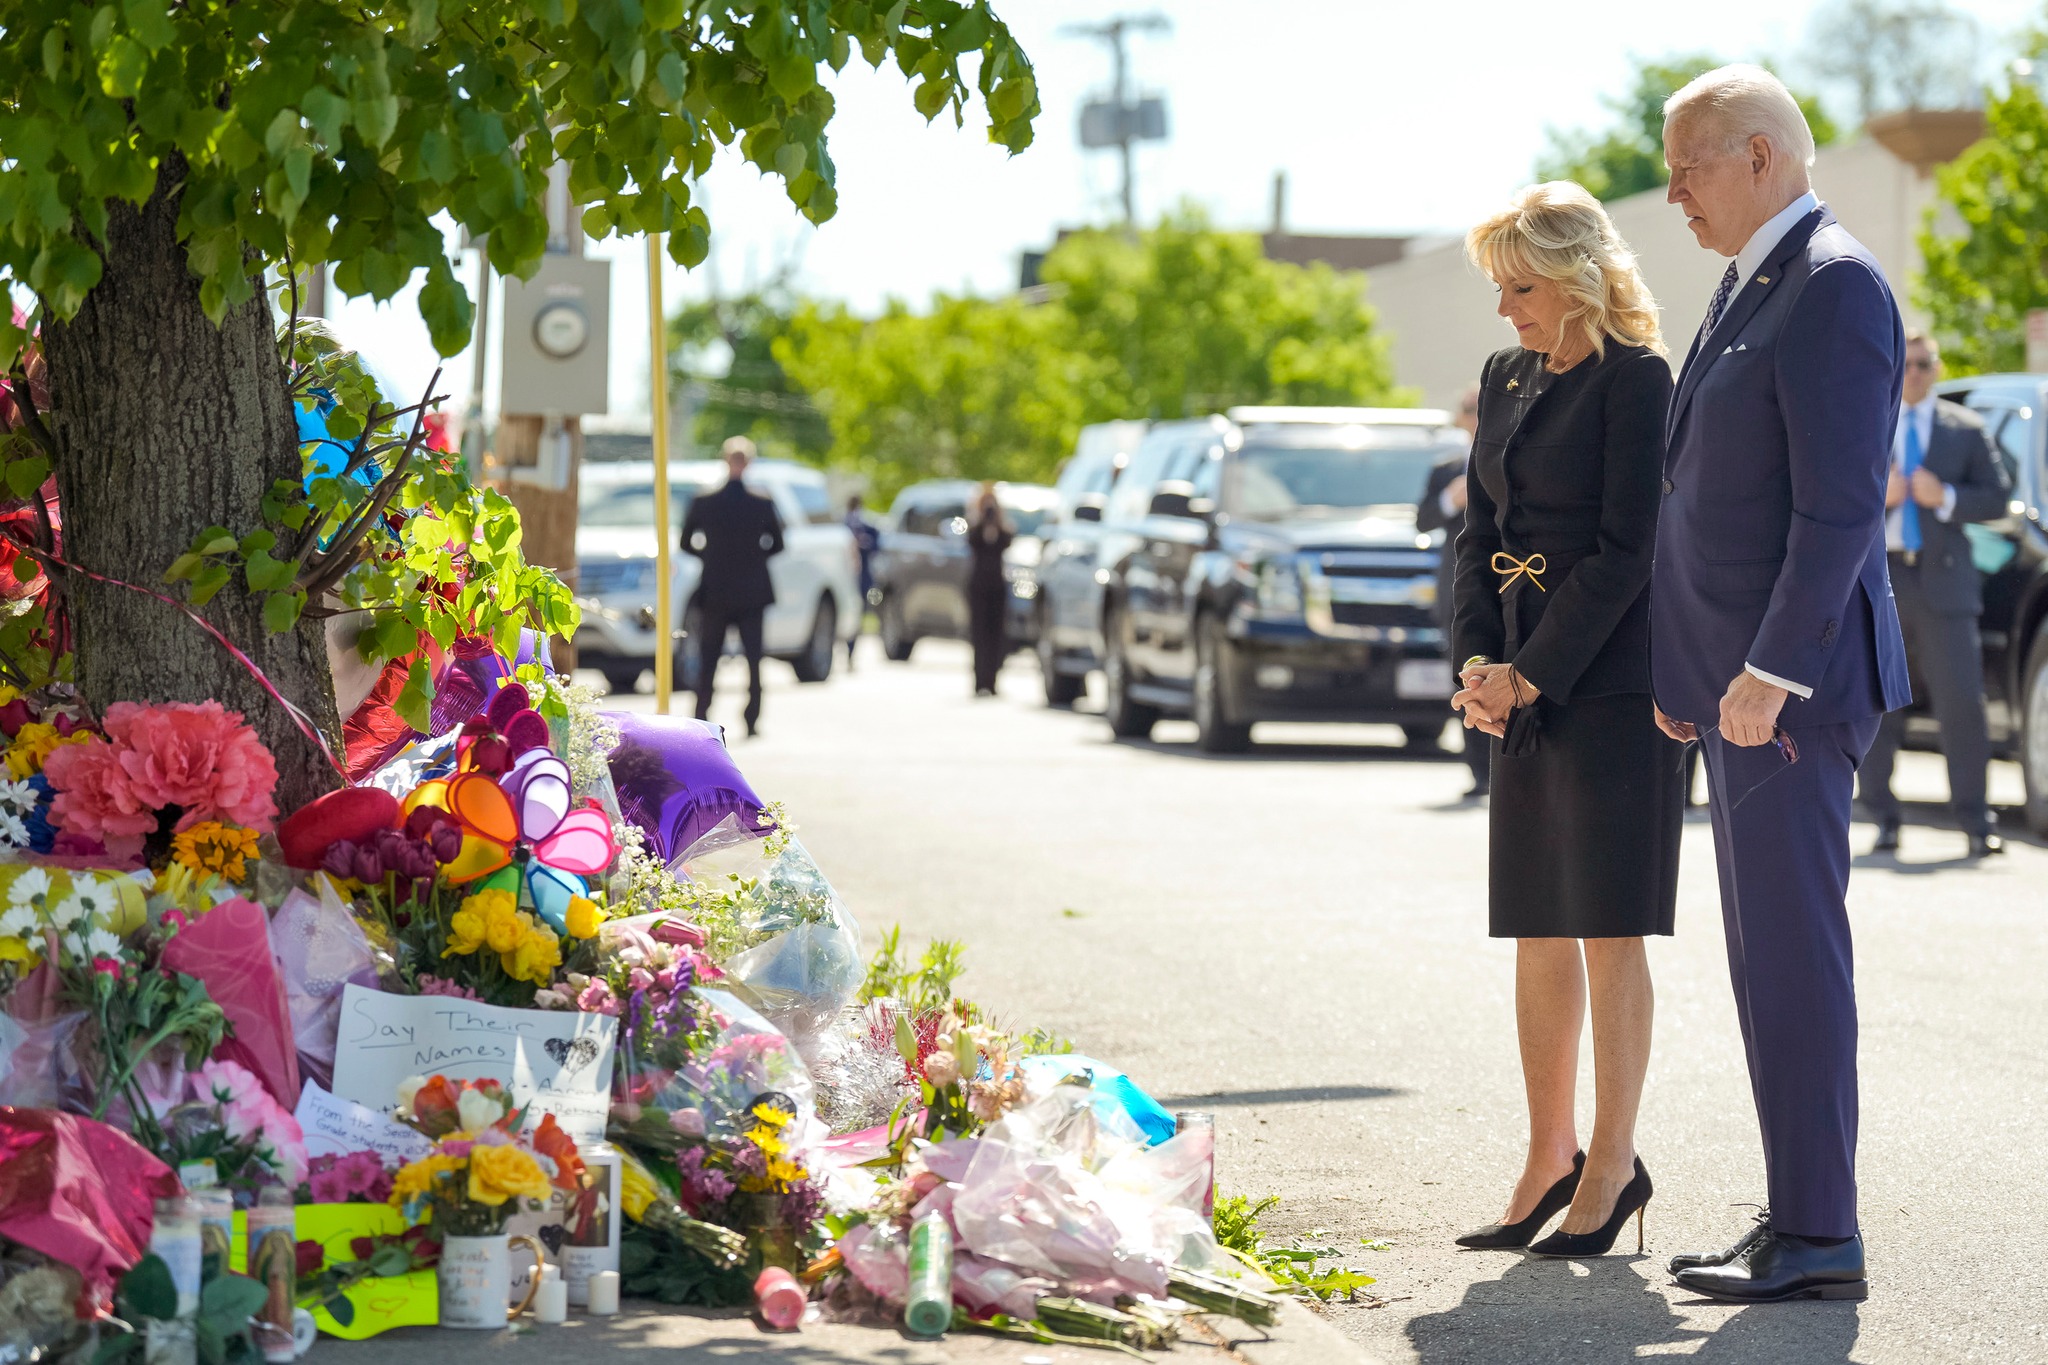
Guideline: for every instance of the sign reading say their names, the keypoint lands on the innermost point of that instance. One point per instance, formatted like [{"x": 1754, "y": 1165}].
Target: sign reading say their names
[{"x": 557, "y": 1061}]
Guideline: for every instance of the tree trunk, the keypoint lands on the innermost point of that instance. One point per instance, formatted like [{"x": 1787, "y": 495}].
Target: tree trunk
[{"x": 166, "y": 425}]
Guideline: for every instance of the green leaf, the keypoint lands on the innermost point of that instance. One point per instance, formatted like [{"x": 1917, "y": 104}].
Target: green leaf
[
  {"x": 257, "y": 541},
  {"x": 149, "y": 22},
  {"x": 342, "y": 1309},
  {"x": 209, "y": 581},
  {"x": 24, "y": 477},
  {"x": 268, "y": 574},
  {"x": 214, "y": 540},
  {"x": 281, "y": 611},
  {"x": 415, "y": 701},
  {"x": 184, "y": 566},
  {"x": 148, "y": 1290},
  {"x": 122, "y": 64},
  {"x": 231, "y": 1300}
]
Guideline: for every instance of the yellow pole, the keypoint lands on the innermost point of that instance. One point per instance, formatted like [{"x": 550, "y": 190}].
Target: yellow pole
[{"x": 664, "y": 605}]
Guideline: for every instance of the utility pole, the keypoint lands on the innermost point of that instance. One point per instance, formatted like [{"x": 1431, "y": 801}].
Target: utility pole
[{"x": 1122, "y": 121}]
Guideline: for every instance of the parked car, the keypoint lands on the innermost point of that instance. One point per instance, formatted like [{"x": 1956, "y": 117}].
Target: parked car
[
  {"x": 1266, "y": 566},
  {"x": 921, "y": 567},
  {"x": 1067, "y": 613},
  {"x": 816, "y": 577},
  {"x": 2012, "y": 552}
]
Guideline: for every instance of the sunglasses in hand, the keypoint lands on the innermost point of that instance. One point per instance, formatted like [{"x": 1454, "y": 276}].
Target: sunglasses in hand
[{"x": 1787, "y": 747}]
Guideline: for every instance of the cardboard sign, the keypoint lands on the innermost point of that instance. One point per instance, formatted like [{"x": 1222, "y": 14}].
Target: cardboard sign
[
  {"x": 556, "y": 1061},
  {"x": 336, "y": 1127},
  {"x": 381, "y": 1302}
]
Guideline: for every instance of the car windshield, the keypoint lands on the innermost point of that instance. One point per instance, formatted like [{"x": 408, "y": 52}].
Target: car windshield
[
  {"x": 1284, "y": 483},
  {"x": 1029, "y": 521},
  {"x": 630, "y": 505}
]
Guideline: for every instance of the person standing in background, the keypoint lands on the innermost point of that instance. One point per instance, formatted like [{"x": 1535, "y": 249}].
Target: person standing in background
[
  {"x": 735, "y": 532},
  {"x": 866, "y": 540},
  {"x": 989, "y": 534},
  {"x": 1443, "y": 504},
  {"x": 1944, "y": 475}
]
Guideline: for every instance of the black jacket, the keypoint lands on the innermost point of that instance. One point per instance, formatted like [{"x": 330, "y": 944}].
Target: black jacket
[
  {"x": 1430, "y": 514},
  {"x": 735, "y": 532},
  {"x": 1569, "y": 466},
  {"x": 1959, "y": 454}
]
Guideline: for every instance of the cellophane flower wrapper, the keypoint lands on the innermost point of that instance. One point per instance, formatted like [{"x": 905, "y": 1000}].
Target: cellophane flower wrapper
[
  {"x": 40, "y": 1065},
  {"x": 736, "y": 1057},
  {"x": 804, "y": 965},
  {"x": 79, "y": 1192},
  {"x": 228, "y": 950},
  {"x": 320, "y": 949}
]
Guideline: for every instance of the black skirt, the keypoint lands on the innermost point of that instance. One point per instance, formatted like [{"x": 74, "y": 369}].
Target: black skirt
[{"x": 1584, "y": 830}]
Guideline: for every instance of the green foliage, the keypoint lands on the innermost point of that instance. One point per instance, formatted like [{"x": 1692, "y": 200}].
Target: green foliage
[
  {"x": 753, "y": 396},
  {"x": 220, "y": 1330},
  {"x": 319, "y": 130},
  {"x": 1979, "y": 286},
  {"x": 1180, "y": 321},
  {"x": 924, "y": 986},
  {"x": 1296, "y": 1268},
  {"x": 1628, "y": 158}
]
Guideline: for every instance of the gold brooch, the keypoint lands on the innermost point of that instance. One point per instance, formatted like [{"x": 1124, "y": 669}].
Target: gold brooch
[
  {"x": 1534, "y": 567},
  {"x": 1513, "y": 382},
  {"x": 1763, "y": 279}
]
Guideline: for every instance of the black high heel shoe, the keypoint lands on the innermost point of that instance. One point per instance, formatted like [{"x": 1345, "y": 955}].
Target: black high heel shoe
[
  {"x": 1558, "y": 1197},
  {"x": 1635, "y": 1197}
]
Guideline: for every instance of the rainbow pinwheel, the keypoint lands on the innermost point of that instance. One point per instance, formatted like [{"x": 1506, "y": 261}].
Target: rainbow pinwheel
[{"x": 524, "y": 815}]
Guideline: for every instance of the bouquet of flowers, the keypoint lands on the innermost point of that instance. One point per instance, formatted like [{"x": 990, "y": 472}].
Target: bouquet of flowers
[
  {"x": 32, "y": 734},
  {"x": 481, "y": 1164},
  {"x": 345, "y": 1178},
  {"x": 231, "y": 1121}
]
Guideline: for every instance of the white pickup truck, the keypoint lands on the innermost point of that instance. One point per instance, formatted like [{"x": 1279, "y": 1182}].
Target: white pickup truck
[{"x": 816, "y": 577}]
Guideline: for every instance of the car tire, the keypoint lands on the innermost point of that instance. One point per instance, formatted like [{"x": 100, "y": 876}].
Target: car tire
[
  {"x": 1427, "y": 738},
  {"x": 897, "y": 641},
  {"x": 1127, "y": 719},
  {"x": 1217, "y": 729},
  {"x": 1061, "y": 689},
  {"x": 621, "y": 679},
  {"x": 2033, "y": 745},
  {"x": 814, "y": 665}
]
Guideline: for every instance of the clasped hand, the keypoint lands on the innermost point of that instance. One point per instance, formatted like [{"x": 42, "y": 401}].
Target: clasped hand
[
  {"x": 1488, "y": 695},
  {"x": 1749, "y": 713}
]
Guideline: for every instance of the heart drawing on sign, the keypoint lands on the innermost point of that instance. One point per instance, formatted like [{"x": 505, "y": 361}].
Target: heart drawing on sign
[
  {"x": 572, "y": 1054},
  {"x": 552, "y": 1236}
]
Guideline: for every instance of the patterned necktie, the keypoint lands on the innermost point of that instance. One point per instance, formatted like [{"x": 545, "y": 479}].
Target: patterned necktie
[
  {"x": 1721, "y": 297},
  {"x": 1909, "y": 520}
]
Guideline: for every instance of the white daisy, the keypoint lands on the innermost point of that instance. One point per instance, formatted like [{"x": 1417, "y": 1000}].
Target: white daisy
[
  {"x": 103, "y": 943},
  {"x": 12, "y": 831},
  {"x": 18, "y": 797},
  {"x": 74, "y": 948},
  {"x": 19, "y": 922},
  {"x": 93, "y": 898},
  {"x": 67, "y": 912},
  {"x": 33, "y": 882}
]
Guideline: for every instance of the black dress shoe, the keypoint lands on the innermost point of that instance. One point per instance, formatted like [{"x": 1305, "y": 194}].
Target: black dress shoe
[
  {"x": 1887, "y": 837},
  {"x": 1554, "y": 1201},
  {"x": 1778, "y": 1266},
  {"x": 1634, "y": 1198},
  {"x": 1984, "y": 845},
  {"x": 1694, "y": 1259}
]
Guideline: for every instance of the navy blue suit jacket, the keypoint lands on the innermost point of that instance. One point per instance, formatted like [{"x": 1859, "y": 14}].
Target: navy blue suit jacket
[{"x": 1770, "y": 543}]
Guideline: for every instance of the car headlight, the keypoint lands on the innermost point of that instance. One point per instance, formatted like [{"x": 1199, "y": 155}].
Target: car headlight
[{"x": 1279, "y": 588}]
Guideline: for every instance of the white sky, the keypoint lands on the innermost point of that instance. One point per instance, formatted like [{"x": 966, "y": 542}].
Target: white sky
[{"x": 1386, "y": 118}]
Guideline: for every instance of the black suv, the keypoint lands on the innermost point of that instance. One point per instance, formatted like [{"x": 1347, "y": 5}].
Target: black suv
[
  {"x": 1266, "y": 566},
  {"x": 2012, "y": 552}
]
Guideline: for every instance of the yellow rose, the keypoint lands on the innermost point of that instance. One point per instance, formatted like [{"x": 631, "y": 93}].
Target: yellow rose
[
  {"x": 535, "y": 959},
  {"x": 417, "y": 1178},
  {"x": 637, "y": 1190},
  {"x": 18, "y": 950},
  {"x": 499, "y": 1173},
  {"x": 506, "y": 928},
  {"x": 583, "y": 917},
  {"x": 465, "y": 932}
]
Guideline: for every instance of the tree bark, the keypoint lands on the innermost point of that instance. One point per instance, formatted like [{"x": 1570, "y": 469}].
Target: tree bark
[{"x": 166, "y": 425}]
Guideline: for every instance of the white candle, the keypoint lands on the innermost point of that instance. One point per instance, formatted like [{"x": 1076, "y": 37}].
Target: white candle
[
  {"x": 551, "y": 1301},
  {"x": 550, "y": 1271},
  {"x": 604, "y": 1293}
]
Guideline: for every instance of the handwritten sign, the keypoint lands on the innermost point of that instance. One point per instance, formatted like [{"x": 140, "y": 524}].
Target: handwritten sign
[
  {"x": 336, "y": 1127},
  {"x": 556, "y": 1061},
  {"x": 381, "y": 1302}
]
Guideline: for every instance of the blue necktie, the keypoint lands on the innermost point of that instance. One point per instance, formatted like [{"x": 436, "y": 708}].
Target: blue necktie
[
  {"x": 1720, "y": 301},
  {"x": 1909, "y": 521}
]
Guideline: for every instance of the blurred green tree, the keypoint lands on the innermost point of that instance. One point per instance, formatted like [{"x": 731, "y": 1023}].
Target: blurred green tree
[
  {"x": 723, "y": 360},
  {"x": 1979, "y": 285},
  {"x": 1628, "y": 157},
  {"x": 1180, "y": 321}
]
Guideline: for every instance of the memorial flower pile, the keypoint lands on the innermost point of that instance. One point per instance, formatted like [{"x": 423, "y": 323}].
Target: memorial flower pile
[{"x": 481, "y": 1166}]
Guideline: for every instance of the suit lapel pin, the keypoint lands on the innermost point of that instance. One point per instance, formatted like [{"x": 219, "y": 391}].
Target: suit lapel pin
[{"x": 1763, "y": 279}]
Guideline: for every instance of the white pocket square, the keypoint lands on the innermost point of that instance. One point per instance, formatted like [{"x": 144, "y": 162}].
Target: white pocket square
[{"x": 1729, "y": 350}]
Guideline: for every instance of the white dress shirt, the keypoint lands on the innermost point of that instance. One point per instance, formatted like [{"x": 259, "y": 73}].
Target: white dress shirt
[
  {"x": 1761, "y": 244},
  {"x": 1921, "y": 415}
]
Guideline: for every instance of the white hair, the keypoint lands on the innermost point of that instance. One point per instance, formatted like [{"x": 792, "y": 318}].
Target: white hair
[{"x": 1741, "y": 102}]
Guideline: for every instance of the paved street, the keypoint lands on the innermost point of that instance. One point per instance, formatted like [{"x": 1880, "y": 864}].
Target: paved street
[{"x": 1295, "y": 939}]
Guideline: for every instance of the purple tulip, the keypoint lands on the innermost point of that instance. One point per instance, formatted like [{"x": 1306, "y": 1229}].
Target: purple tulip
[
  {"x": 446, "y": 841},
  {"x": 340, "y": 859},
  {"x": 367, "y": 867}
]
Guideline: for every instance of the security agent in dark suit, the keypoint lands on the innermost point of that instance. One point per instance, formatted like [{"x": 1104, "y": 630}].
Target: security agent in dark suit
[
  {"x": 735, "y": 532},
  {"x": 1443, "y": 504},
  {"x": 1944, "y": 475}
]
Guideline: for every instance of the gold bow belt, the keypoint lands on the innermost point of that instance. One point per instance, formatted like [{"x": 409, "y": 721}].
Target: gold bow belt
[{"x": 1512, "y": 569}]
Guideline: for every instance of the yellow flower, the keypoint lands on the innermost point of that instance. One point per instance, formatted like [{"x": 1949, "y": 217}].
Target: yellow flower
[
  {"x": 584, "y": 917},
  {"x": 637, "y": 1189},
  {"x": 18, "y": 950},
  {"x": 417, "y": 1178},
  {"x": 211, "y": 846},
  {"x": 506, "y": 929},
  {"x": 465, "y": 932},
  {"x": 33, "y": 744},
  {"x": 499, "y": 1173},
  {"x": 536, "y": 957}
]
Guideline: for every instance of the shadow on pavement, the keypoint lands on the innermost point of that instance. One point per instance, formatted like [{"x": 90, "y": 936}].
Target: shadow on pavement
[
  {"x": 1315, "y": 1094},
  {"x": 1606, "y": 1310}
]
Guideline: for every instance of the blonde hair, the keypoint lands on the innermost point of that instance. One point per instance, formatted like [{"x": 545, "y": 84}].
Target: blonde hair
[
  {"x": 1557, "y": 231},
  {"x": 1740, "y": 102}
]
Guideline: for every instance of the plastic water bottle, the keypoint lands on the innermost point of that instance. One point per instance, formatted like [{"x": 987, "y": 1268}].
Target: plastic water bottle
[{"x": 928, "y": 1309}]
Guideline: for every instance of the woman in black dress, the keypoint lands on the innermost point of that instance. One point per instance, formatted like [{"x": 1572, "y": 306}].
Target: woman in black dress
[
  {"x": 1552, "y": 621},
  {"x": 989, "y": 534}
]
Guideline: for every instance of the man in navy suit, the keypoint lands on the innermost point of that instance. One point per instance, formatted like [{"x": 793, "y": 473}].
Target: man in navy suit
[{"x": 1774, "y": 638}]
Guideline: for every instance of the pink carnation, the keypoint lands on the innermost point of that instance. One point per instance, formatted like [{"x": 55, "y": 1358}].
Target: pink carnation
[
  {"x": 199, "y": 757},
  {"x": 92, "y": 797}
]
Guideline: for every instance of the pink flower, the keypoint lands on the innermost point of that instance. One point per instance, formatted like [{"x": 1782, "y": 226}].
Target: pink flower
[
  {"x": 199, "y": 757},
  {"x": 92, "y": 797},
  {"x": 430, "y": 984},
  {"x": 456, "y": 1147},
  {"x": 641, "y": 978},
  {"x": 106, "y": 966},
  {"x": 597, "y": 998},
  {"x": 680, "y": 933},
  {"x": 687, "y": 1122}
]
